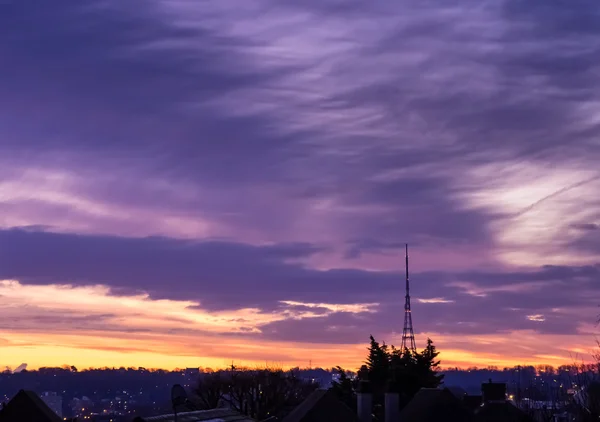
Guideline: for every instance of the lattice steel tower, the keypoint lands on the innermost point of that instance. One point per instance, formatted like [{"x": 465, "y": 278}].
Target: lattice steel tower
[{"x": 408, "y": 336}]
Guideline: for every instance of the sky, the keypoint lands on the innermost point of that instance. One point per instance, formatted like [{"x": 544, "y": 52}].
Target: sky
[{"x": 189, "y": 183}]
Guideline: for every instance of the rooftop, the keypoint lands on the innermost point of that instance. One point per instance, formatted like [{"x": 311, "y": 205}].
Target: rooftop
[{"x": 214, "y": 415}]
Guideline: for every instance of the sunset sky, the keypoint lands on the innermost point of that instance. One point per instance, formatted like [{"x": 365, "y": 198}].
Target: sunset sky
[{"x": 190, "y": 183}]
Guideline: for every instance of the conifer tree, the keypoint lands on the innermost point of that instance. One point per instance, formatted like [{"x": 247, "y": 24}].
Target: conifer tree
[
  {"x": 410, "y": 371},
  {"x": 378, "y": 365},
  {"x": 428, "y": 366}
]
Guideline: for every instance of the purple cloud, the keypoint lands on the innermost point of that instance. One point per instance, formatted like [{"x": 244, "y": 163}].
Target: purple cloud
[
  {"x": 221, "y": 275},
  {"x": 271, "y": 151}
]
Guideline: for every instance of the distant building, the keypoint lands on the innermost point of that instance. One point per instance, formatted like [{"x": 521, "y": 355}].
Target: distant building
[
  {"x": 20, "y": 368},
  {"x": 192, "y": 371},
  {"x": 80, "y": 407},
  {"x": 335, "y": 378},
  {"x": 191, "y": 376},
  {"x": 54, "y": 402}
]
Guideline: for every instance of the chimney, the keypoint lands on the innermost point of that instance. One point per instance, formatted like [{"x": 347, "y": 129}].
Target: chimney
[
  {"x": 364, "y": 397},
  {"x": 392, "y": 402},
  {"x": 493, "y": 392}
]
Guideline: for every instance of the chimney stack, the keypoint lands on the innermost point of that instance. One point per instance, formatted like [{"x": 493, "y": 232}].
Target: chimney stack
[
  {"x": 364, "y": 397},
  {"x": 392, "y": 402},
  {"x": 493, "y": 392}
]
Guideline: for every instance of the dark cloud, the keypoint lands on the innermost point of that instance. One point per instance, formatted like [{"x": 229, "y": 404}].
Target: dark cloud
[
  {"x": 589, "y": 242},
  {"x": 545, "y": 273},
  {"x": 77, "y": 59},
  {"x": 586, "y": 226},
  {"x": 35, "y": 321},
  {"x": 217, "y": 273},
  {"x": 340, "y": 328},
  {"x": 357, "y": 246},
  {"x": 230, "y": 276}
]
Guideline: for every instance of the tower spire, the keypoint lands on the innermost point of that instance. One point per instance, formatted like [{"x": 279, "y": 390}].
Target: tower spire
[{"x": 408, "y": 336}]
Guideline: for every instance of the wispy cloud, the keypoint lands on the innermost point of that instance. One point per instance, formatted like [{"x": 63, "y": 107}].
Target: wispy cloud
[
  {"x": 536, "y": 318},
  {"x": 352, "y": 308},
  {"x": 435, "y": 300}
]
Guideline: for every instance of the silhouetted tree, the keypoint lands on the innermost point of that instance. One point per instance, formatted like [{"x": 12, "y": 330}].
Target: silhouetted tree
[
  {"x": 378, "y": 365},
  {"x": 408, "y": 371},
  {"x": 210, "y": 390},
  {"x": 257, "y": 393},
  {"x": 428, "y": 366},
  {"x": 588, "y": 381}
]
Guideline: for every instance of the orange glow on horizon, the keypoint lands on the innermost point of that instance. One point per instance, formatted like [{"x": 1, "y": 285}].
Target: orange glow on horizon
[{"x": 54, "y": 325}]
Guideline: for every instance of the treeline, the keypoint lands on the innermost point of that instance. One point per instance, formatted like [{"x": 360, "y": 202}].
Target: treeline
[
  {"x": 524, "y": 377},
  {"x": 525, "y": 369},
  {"x": 532, "y": 369},
  {"x": 52, "y": 370},
  {"x": 258, "y": 393}
]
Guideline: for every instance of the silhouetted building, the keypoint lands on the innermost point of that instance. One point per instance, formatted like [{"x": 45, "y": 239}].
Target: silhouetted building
[
  {"x": 435, "y": 405},
  {"x": 27, "y": 406},
  {"x": 496, "y": 408},
  {"x": 501, "y": 412},
  {"x": 472, "y": 402},
  {"x": 493, "y": 392},
  {"x": 459, "y": 392},
  {"x": 321, "y": 406},
  {"x": 192, "y": 372},
  {"x": 442, "y": 405}
]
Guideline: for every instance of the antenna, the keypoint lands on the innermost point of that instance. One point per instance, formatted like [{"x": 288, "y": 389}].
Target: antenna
[{"x": 408, "y": 335}]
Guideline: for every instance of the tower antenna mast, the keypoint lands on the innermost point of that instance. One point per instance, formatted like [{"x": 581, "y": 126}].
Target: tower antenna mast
[{"x": 408, "y": 335}]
